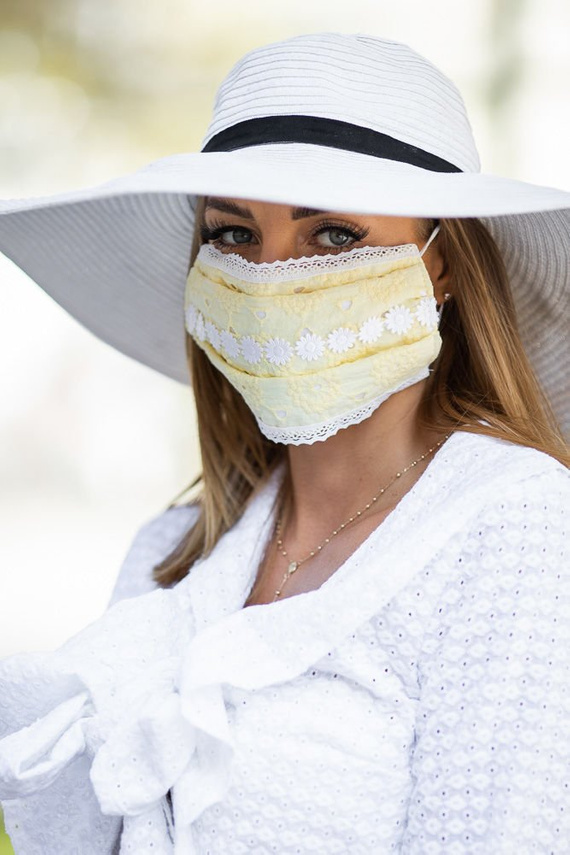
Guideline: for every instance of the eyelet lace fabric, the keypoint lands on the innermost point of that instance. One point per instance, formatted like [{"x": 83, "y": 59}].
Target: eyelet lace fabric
[
  {"x": 308, "y": 434},
  {"x": 416, "y": 703}
]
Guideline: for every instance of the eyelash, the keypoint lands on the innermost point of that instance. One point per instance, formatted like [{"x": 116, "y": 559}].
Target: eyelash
[
  {"x": 357, "y": 234},
  {"x": 213, "y": 233}
]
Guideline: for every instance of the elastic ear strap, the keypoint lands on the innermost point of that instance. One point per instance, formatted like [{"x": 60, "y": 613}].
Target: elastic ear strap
[{"x": 433, "y": 235}]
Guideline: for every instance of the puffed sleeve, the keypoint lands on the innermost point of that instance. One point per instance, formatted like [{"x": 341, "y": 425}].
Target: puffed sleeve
[
  {"x": 57, "y": 813},
  {"x": 491, "y": 758},
  {"x": 66, "y": 813},
  {"x": 71, "y": 721}
]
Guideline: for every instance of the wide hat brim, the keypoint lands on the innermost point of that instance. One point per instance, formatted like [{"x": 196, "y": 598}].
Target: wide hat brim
[{"x": 116, "y": 256}]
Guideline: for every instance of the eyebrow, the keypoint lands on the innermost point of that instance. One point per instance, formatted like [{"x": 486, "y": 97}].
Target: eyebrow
[
  {"x": 228, "y": 207},
  {"x": 301, "y": 213}
]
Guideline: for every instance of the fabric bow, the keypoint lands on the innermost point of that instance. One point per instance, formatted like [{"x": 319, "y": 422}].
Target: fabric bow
[
  {"x": 33, "y": 757},
  {"x": 145, "y": 728},
  {"x": 165, "y": 741}
]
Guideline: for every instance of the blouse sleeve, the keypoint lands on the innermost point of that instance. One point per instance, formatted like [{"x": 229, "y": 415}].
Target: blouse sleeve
[
  {"x": 42, "y": 712},
  {"x": 65, "y": 816},
  {"x": 68, "y": 717},
  {"x": 491, "y": 758},
  {"x": 152, "y": 543}
]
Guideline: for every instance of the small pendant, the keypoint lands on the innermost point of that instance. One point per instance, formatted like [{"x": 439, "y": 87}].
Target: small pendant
[{"x": 292, "y": 567}]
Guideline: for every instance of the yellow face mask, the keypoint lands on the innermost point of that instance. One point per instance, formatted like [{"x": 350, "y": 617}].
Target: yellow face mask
[{"x": 315, "y": 344}]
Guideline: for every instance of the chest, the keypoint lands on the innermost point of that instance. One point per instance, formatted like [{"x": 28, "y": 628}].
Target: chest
[{"x": 275, "y": 573}]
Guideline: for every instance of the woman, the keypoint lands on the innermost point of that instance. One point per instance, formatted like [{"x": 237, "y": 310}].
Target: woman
[{"x": 357, "y": 643}]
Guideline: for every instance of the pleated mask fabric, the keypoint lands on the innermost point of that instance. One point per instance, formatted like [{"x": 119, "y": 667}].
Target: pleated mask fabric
[{"x": 314, "y": 344}]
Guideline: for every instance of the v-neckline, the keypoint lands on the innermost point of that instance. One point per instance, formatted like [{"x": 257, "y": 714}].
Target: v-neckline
[{"x": 400, "y": 507}]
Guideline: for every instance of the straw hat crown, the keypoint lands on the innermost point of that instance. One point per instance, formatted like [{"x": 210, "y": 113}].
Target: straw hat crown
[{"x": 370, "y": 82}]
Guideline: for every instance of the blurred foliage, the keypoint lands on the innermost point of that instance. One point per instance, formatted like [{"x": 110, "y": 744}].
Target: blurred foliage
[
  {"x": 142, "y": 79},
  {"x": 103, "y": 60},
  {"x": 92, "y": 90},
  {"x": 504, "y": 78},
  {"x": 5, "y": 845}
]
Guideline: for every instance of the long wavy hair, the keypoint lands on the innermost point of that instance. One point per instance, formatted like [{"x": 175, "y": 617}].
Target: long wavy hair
[{"x": 481, "y": 382}]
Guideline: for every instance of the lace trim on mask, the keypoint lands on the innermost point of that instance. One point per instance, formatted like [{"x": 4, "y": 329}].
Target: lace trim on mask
[
  {"x": 307, "y": 435},
  {"x": 398, "y": 320},
  {"x": 292, "y": 268}
]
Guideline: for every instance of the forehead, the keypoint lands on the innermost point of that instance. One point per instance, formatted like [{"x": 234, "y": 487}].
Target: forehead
[
  {"x": 256, "y": 210},
  {"x": 249, "y": 208}
]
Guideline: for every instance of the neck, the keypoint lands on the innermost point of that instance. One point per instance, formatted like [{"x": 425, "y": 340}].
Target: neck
[{"x": 334, "y": 478}]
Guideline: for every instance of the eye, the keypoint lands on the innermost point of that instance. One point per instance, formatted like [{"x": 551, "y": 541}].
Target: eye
[
  {"x": 226, "y": 235},
  {"x": 333, "y": 236}
]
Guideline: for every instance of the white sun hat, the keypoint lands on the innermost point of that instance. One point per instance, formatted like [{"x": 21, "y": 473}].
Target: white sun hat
[{"x": 350, "y": 123}]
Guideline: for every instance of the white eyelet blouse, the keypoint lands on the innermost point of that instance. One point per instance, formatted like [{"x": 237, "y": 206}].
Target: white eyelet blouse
[{"x": 418, "y": 702}]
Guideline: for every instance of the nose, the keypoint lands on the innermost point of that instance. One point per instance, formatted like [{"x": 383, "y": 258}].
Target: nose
[
  {"x": 277, "y": 248},
  {"x": 279, "y": 240}
]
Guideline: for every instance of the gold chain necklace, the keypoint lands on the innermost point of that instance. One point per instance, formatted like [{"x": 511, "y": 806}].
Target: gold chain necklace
[{"x": 294, "y": 565}]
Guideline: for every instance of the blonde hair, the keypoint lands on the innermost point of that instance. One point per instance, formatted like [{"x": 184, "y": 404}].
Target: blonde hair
[{"x": 482, "y": 382}]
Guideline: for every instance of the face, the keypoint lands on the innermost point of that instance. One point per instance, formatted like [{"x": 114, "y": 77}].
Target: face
[{"x": 266, "y": 232}]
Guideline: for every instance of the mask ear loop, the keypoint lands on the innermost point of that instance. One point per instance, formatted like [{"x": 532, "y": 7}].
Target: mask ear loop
[
  {"x": 432, "y": 237},
  {"x": 446, "y": 297}
]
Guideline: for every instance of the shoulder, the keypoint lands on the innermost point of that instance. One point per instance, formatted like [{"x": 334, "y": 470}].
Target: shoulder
[
  {"x": 154, "y": 540},
  {"x": 490, "y": 495},
  {"x": 503, "y": 469},
  {"x": 507, "y": 570},
  {"x": 517, "y": 532}
]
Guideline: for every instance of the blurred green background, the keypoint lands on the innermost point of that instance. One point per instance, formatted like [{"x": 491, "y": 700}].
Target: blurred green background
[
  {"x": 5, "y": 847},
  {"x": 91, "y": 443}
]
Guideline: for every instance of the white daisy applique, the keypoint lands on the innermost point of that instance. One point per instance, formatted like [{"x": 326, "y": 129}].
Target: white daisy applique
[
  {"x": 341, "y": 339},
  {"x": 398, "y": 319},
  {"x": 229, "y": 343},
  {"x": 278, "y": 351},
  {"x": 213, "y": 334},
  {"x": 200, "y": 328},
  {"x": 310, "y": 347},
  {"x": 251, "y": 349},
  {"x": 371, "y": 330},
  {"x": 191, "y": 317},
  {"x": 426, "y": 313}
]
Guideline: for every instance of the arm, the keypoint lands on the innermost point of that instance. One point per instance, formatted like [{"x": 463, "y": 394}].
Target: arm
[
  {"x": 66, "y": 816},
  {"x": 490, "y": 763},
  {"x": 72, "y": 720}
]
